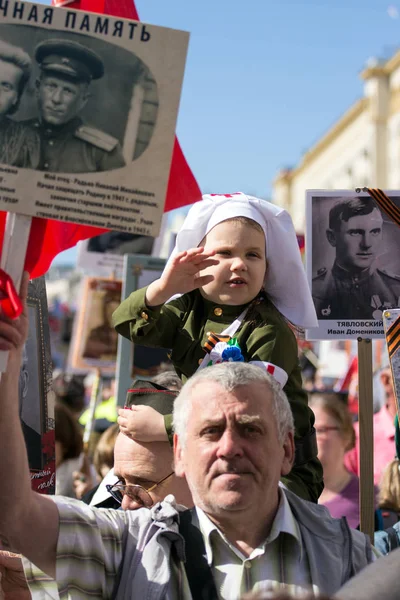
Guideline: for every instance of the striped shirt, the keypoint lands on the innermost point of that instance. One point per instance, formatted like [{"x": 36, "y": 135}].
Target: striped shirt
[
  {"x": 90, "y": 550},
  {"x": 279, "y": 562}
]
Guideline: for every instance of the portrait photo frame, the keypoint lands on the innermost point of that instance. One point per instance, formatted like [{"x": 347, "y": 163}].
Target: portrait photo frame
[
  {"x": 352, "y": 263},
  {"x": 134, "y": 361},
  {"x": 91, "y": 161},
  {"x": 94, "y": 339},
  {"x": 36, "y": 395}
]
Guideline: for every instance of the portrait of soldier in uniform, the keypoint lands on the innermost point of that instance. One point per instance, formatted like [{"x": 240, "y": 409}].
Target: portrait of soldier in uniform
[
  {"x": 19, "y": 143},
  {"x": 354, "y": 287},
  {"x": 102, "y": 340},
  {"x": 67, "y": 144}
]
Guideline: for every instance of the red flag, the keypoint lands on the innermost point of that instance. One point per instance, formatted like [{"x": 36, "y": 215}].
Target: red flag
[{"x": 48, "y": 238}]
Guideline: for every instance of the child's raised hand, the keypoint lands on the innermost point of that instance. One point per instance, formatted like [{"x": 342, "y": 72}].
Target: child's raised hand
[
  {"x": 142, "y": 423},
  {"x": 181, "y": 275}
]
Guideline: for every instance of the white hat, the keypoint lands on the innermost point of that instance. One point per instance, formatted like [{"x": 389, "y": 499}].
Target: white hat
[{"x": 285, "y": 282}]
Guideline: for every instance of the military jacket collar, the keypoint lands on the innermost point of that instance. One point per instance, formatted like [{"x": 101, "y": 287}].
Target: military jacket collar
[
  {"x": 358, "y": 277},
  {"x": 51, "y": 131},
  {"x": 222, "y": 313}
]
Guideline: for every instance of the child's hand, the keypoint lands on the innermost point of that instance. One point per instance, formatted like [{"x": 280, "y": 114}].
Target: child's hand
[
  {"x": 181, "y": 276},
  {"x": 142, "y": 423}
]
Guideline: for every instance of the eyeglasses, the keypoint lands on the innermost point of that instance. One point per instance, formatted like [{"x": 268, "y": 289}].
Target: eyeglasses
[
  {"x": 137, "y": 493},
  {"x": 323, "y": 430}
]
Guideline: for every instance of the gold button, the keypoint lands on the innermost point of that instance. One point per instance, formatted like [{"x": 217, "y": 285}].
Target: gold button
[
  {"x": 218, "y": 311},
  {"x": 208, "y": 333},
  {"x": 144, "y": 315},
  {"x": 200, "y": 361}
]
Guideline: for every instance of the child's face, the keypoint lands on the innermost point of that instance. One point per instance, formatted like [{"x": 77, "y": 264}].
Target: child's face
[{"x": 239, "y": 276}]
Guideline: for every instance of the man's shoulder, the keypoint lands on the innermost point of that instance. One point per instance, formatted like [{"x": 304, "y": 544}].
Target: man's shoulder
[
  {"x": 388, "y": 276},
  {"x": 96, "y": 137},
  {"x": 320, "y": 282},
  {"x": 319, "y": 522},
  {"x": 321, "y": 276}
]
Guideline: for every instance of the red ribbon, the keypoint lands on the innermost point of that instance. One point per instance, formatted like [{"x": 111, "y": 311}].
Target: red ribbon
[{"x": 10, "y": 302}]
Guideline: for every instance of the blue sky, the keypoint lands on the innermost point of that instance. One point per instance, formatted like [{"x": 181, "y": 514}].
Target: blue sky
[{"x": 266, "y": 78}]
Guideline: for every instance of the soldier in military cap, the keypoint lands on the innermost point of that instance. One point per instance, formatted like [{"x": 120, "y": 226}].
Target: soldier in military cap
[
  {"x": 19, "y": 143},
  {"x": 67, "y": 144},
  {"x": 355, "y": 288}
]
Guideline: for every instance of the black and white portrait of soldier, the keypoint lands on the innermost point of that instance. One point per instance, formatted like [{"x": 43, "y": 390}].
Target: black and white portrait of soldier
[
  {"x": 102, "y": 339},
  {"x": 360, "y": 283},
  {"x": 19, "y": 143},
  {"x": 67, "y": 144},
  {"x": 75, "y": 103},
  {"x": 30, "y": 399}
]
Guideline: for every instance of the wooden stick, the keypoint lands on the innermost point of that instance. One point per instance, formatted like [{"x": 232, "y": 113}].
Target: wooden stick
[
  {"x": 366, "y": 452},
  {"x": 94, "y": 399},
  {"x": 13, "y": 253}
]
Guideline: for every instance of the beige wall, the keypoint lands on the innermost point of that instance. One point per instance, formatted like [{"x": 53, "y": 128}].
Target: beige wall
[{"x": 361, "y": 149}]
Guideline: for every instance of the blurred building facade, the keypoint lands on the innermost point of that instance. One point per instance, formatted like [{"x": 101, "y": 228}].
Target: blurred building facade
[{"x": 361, "y": 149}]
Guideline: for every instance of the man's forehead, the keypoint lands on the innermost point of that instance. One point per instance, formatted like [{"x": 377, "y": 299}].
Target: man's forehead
[
  {"x": 146, "y": 461},
  {"x": 251, "y": 399},
  {"x": 367, "y": 222}
]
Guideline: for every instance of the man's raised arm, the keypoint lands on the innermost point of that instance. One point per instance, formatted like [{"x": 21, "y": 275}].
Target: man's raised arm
[{"x": 28, "y": 521}]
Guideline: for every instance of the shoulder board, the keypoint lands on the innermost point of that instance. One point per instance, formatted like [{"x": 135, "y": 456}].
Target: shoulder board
[
  {"x": 96, "y": 137},
  {"x": 386, "y": 274},
  {"x": 320, "y": 273}
]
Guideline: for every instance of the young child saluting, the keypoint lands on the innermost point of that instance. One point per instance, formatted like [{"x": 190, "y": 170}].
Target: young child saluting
[{"x": 231, "y": 284}]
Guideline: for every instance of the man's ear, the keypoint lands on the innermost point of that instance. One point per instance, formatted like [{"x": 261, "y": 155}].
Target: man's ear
[
  {"x": 179, "y": 467},
  {"x": 288, "y": 457},
  {"x": 330, "y": 234},
  {"x": 85, "y": 97}
]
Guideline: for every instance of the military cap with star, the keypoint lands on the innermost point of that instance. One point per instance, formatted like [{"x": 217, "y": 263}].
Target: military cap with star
[{"x": 68, "y": 58}]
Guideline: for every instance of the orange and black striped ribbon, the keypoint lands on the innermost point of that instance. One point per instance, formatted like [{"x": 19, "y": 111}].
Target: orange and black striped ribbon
[
  {"x": 213, "y": 339},
  {"x": 385, "y": 203},
  {"x": 393, "y": 337}
]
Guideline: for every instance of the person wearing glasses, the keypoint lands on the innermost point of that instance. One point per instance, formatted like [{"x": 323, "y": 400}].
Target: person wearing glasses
[
  {"x": 144, "y": 475},
  {"x": 141, "y": 477},
  {"x": 335, "y": 437},
  {"x": 245, "y": 528}
]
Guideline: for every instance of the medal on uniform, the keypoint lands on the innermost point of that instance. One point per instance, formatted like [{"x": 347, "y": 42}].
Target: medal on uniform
[{"x": 377, "y": 304}]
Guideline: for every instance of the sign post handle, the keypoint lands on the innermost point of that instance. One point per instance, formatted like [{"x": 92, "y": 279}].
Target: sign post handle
[
  {"x": 366, "y": 452},
  {"x": 15, "y": 243}
]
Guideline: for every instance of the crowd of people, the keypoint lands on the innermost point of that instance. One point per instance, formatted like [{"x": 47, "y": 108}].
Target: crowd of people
[{"x": 224, "y": 479}]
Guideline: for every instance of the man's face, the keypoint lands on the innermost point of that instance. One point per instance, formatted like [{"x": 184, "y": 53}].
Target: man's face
[
  {"x": 232, "y": 458},
  {"x": 146, "y": 464},
  {"x": 358, "y": 241},
  {"x": 60, "y": 100},
  {"x": 10, "y": 76}
]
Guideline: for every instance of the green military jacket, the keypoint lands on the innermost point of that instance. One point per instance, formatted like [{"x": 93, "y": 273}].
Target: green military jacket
[{"x": 183, "y": 324}]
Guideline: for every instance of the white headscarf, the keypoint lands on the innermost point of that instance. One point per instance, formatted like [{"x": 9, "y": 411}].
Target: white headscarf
[{"x": 285, "y": 282}]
